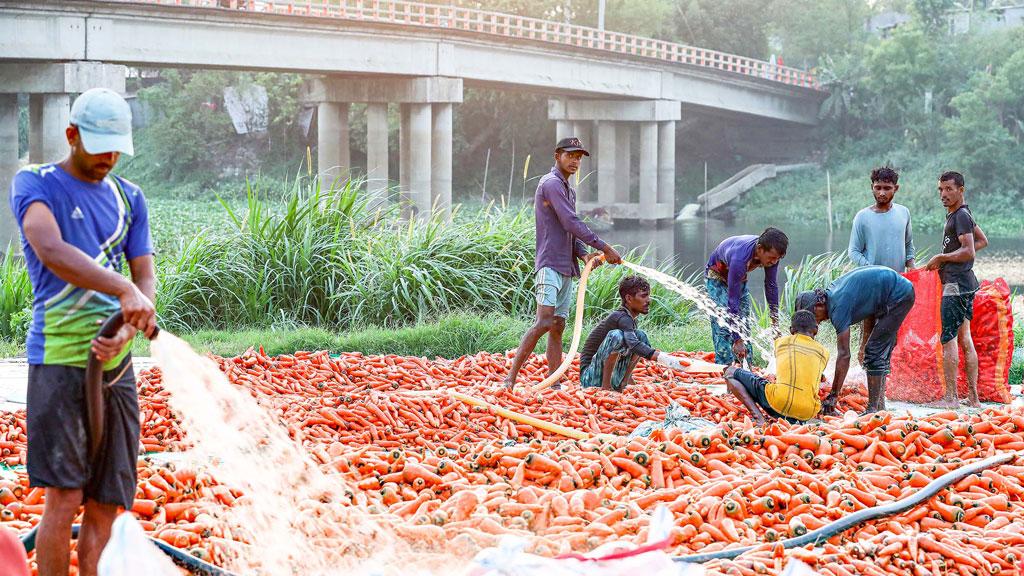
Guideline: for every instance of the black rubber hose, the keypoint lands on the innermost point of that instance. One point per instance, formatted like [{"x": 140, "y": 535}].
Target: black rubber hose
[
  {"x": 843, "y": 524},
  {"x": 94, "y": 412},
  {"x": 178, "y": 556}
]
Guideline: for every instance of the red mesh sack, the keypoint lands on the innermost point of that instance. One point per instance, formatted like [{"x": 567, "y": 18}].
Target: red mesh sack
[
  {"x": 992, "y": 332},
  {"x": 916, "y": 366}
]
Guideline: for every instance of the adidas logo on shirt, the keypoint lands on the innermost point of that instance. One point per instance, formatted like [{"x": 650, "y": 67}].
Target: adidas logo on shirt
[{"x": 77, "y": 214}]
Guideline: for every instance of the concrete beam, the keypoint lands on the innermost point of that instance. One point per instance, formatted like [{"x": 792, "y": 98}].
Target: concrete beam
[
  {"x": 421, "y": 90},
  {"x": 8, "y": 166},
  {"x": 618, "y": 110},
  {"x": 153, "y": 35},
  {"x": 43, "y": 35},
  {"x": 441, "y": 157},
  {"x": 48, "y": 119},
  {"x": 377, "y": 153},
  {"x": 62, "y": 78}
]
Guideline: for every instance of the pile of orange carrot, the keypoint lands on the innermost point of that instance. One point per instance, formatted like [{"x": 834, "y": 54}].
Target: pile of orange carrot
[{"x": 454, "y": 478}]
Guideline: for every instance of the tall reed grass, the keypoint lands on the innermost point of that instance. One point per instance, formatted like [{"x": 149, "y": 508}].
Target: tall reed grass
[
  {"x": 15, "y": 295},
  {"x": 328, "y": 258}
]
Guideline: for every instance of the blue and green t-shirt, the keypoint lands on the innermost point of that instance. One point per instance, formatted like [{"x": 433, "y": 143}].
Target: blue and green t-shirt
[{"x": 109, "y": 222}]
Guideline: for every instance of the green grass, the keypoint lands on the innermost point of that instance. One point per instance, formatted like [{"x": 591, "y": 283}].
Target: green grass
[{"x": 449, "y": 337}]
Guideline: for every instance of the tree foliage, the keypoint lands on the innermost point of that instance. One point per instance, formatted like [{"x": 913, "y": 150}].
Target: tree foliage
[
  {"x": 916, "y": 91},
  {"x": 192, "y": 137}
]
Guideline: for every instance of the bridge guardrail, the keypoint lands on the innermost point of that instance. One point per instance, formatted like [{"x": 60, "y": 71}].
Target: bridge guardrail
[{"x": 510, "y": 26}]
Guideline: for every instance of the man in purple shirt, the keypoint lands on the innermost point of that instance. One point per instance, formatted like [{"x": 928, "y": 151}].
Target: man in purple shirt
[
  {"x": 562, "y": 239},
  {"x": 726, "y": 276}
]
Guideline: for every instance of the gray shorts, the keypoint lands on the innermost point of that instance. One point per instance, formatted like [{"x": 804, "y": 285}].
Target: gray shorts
[
  {"x": 554, "y": 289},
  {"x": 58, "y": 443}
]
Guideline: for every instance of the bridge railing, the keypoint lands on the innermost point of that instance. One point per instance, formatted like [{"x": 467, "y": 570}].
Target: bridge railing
[{"x": 430, "y": 15}]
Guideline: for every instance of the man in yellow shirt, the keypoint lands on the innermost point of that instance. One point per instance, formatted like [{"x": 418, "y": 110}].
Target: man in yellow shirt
[{"x": 800, "y": 362}]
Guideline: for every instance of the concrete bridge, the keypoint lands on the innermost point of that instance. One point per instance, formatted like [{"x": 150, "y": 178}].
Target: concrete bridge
[{"x": 606, "y": 87}]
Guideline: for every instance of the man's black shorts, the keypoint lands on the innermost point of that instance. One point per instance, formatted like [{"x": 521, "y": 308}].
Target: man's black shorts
[
  {"x": 58, "y": 442},
  {"x": 956, "y": 310},
  {"x": 755, "y": 386}
]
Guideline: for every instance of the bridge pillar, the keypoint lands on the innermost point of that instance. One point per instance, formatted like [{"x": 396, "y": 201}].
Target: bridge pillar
[
  {"x": 404, "y": 158},
  {"x": 332, "y": 147},
  {"x": 50, "y": 87},
  {"x": 582, "y": 130},
  {"x": 563, "y": 129},
  {"x": 606, "y": 177},
  {"x": 8, "y": 165},
  {"x": 48, "y": 117},
  {"x": 616, "y": 120},
  {"x": 623, "y": 162},
  {"x": 441, "y": 157},
  {"x": 420, "y": 144},
  {"x": 424, "y": 135},
  {"x": 377, "y": 152},
  {"x": 667, "y": 163},
  {"x": 648, "y": 180}
]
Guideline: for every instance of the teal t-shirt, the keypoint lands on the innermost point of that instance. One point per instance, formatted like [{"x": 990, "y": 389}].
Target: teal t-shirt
[
  {"x": 109, "y": 222},
  {"x": 863, "y": 292}
]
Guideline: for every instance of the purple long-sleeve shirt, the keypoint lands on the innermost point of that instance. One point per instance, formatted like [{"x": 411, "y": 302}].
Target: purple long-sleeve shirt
[
  {"x": 729, "y": 260},
  {"x": 562, "y": 237}
]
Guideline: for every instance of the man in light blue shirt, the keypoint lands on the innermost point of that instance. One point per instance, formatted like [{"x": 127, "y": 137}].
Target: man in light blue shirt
[{"x": 881, "y": 234}]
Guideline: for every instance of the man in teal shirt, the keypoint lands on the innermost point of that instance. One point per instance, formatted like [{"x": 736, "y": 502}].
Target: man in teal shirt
[{"x": 874, "y": 292}]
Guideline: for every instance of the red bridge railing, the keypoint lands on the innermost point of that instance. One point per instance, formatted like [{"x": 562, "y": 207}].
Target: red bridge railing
[{"x": 450, "y": 17}]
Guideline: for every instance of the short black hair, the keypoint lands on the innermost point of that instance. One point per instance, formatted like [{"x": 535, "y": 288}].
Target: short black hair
[
  {"x": 803, "y": 322},
  {"x": 774, "y": 239},
  {"x": 956, "y": 177},
  {"x": 885, "y": 174},
  {"x": 631, "y": 286}
]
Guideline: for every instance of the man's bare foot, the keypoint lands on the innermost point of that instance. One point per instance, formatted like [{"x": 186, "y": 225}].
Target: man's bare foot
[
  {"x": 945, "y": 404},
  {"x": 972, "y": 402},
  {"x": 508, "y": 384}
]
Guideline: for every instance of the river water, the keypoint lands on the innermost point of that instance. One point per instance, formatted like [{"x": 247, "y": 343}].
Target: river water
[{"x": 687, "y": 244}]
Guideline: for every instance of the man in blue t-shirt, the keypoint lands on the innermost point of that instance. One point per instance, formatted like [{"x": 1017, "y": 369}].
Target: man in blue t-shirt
[
  {"x": 871, "y": 292},
  {"x": 726, "y": 281},
  {"x": 881, "y": 234},
  {"x": 79, "y": 223}
]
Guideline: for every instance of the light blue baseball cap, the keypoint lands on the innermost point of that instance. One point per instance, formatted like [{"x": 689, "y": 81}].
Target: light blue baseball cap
[{"x": 104, "y": 121}]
